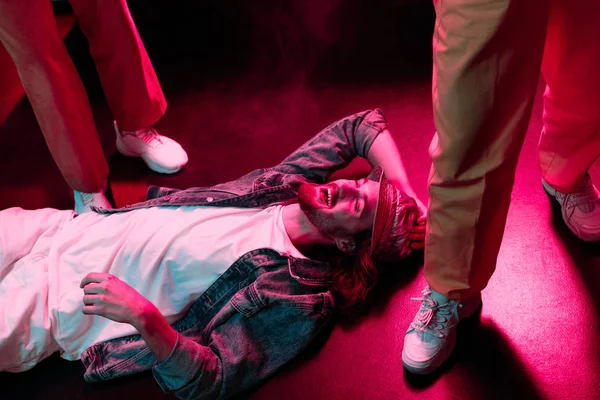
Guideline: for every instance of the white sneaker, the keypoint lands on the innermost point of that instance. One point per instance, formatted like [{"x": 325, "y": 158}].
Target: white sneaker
[
  {"x": 431, "y": 336},
  {"x": 580, "y": 209},
  {"x": 85, "y": 201},
  {"x": 160, "y": 153}
]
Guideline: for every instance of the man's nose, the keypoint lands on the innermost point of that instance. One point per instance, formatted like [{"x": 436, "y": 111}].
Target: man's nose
[{"x": 347, "y": 191}]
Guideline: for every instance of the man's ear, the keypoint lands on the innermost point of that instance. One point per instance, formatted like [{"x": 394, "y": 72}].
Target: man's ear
[{"x": 346, "y": 245}]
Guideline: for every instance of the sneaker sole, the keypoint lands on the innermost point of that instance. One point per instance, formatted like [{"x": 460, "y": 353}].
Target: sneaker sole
[{"x": 424, "y": 370}]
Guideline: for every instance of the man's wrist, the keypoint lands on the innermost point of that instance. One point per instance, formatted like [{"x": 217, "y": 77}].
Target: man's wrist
[
  {"x": 160, "y": 337},
  {"x": 144, "y": 316}
]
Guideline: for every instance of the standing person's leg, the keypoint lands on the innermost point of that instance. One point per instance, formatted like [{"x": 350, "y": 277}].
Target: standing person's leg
[
  {"x": 129, "y": 81},
  {"x": 570, "y": 140},
  {"x": 25, "y": 331},
  {"x": 128, "y": 78},
  {"x": 28, "y": 31},
  {"x": 487, "y": 57}
]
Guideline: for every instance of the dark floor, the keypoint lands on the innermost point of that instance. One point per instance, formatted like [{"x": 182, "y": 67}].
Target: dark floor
[{"x": 249, "y": 81}]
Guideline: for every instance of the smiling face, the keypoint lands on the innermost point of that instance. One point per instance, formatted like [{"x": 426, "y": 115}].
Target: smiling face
[{"x": 341, "y": 208}]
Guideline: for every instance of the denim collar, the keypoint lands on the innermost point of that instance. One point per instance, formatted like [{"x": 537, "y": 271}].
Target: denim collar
[{"x": 310, "y": 272}]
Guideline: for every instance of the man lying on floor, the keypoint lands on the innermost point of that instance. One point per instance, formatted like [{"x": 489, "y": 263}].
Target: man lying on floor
[{"x": 212, "y": 288}]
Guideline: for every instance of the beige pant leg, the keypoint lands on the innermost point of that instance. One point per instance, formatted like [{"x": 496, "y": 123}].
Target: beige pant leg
[
  {"x": 28, "y": 31},
  {"x": 128, "y": 78},
  {"x": 570, "y": 140},
  {"x": 487, "y": 57}
]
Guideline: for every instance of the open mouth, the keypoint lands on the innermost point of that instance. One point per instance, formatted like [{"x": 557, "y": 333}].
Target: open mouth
[{"x": 328, "y": 196}]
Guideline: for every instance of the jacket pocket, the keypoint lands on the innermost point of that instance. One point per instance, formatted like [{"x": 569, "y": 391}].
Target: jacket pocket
[
  {"x": 247, "y": 301},
  {"x": 268, "y": 179}
]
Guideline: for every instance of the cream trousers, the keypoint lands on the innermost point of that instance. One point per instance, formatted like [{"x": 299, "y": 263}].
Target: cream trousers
[{"x": 487, "y": 61}]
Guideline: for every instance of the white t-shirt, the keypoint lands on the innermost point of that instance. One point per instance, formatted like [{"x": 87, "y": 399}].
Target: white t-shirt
[{"x": 170, "y": 255}]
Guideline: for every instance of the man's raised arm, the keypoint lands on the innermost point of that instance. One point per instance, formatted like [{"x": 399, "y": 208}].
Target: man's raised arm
[
  {"x": 364, "y": 134},
  {"x": 335, "y": 146},
  {"x": 384, "y": 152}
]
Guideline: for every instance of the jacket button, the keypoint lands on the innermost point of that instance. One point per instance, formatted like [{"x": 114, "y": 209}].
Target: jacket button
[{"x": 209, "y": 199}]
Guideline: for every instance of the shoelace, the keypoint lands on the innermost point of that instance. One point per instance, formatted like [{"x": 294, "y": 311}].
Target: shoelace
[
  {"x": 585, "y": 195},
  {"x": 148, "y": 136},
  {"x": 86, "y": 198},
  {"x": 577, "y": 198},
  {"x": 432, "y": 316}
]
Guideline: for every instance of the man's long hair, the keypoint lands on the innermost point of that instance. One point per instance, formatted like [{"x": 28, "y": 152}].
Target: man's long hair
[{"x": 354, "y": 278}]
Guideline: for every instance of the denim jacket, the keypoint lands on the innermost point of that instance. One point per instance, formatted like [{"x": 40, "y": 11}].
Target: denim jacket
[{"x": 267, "y": 306}]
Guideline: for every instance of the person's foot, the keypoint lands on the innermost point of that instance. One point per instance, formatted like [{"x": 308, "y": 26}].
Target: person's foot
[
  {"x": 580, "y": 209},
  {"x": 160, "y": 153},
  {"x": 431, "y": 336},
  {"x": 85, "y": 201}
]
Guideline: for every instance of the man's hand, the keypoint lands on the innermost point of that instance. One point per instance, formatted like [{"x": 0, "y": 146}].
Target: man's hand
[
  {"x": 417, "y": 234},
  {"x": 108, "y": 296}
]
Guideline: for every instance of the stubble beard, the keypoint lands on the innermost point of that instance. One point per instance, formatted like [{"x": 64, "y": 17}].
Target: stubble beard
[{"x": 312, "y": 209}]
